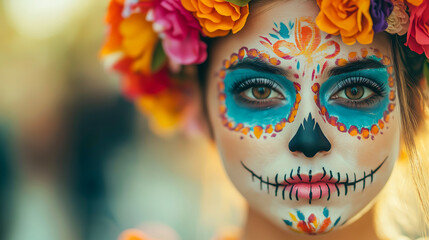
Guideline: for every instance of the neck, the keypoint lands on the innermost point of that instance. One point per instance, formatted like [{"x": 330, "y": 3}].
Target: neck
[{"x": 258, "y": 227}]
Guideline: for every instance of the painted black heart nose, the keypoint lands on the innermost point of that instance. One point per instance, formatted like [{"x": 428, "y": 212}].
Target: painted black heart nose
[{"x": 309, "y": 139}]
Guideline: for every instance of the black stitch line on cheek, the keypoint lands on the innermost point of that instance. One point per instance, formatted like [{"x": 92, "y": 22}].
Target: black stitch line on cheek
[
  {"x": 277, "y": 184},
  {"x": 320, "y": 189},
  {"x": 299, "y": 175},
  {"x": 338, "y": 190},
  {"x": 291, "y": 172},
  {"x": 329, "y": 192},
  {"x": 268, "y": 186},
  {"x": 296, "y": 194},
  {"x": 345, "y": 185},
  {"x": 283, "y": 193},
  {"x": 284, "y": 178},
  {"x": 324, "y": 173},
  {"x": 354, "y": 183},
  {"x": 309, "y": 176},
  {"x": 364, "y": 176},
  {"x": 330, "y": 172}
]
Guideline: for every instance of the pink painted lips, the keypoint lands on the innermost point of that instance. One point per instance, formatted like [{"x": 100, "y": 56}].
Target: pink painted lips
[{"x": 310, "y": 187}]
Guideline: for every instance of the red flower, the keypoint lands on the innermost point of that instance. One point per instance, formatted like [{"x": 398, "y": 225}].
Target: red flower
[
  {"x": 418, "y": 32},
  {"x": 136, "y": 84}
]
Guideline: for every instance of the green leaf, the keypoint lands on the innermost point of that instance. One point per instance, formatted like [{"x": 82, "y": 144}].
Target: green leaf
[
  {"x": 158, "y": 58},
  {"x": 240, "y": 3}
]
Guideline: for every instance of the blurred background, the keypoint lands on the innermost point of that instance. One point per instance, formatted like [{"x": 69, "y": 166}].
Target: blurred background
[{"x": 77, "y": 161}]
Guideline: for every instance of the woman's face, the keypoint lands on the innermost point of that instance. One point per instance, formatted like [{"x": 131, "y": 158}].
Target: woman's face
[{"x": 308, "y": 127}]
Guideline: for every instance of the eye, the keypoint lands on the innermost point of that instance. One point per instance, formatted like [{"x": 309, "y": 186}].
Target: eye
[
  {"x": 260, "y": 93},
  {"x": 358, "y": 92}
]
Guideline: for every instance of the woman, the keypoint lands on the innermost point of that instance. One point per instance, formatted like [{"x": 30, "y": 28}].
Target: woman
[{"x": 309, "y": 103}]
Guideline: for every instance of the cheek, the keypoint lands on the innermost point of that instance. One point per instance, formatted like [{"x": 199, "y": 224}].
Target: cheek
[{"x": 367, "y": 154}]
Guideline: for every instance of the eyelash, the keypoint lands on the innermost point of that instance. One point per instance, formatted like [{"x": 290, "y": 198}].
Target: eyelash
[
  {"x": 378, "y": 89},
  {"x": 240, "y": 86}
]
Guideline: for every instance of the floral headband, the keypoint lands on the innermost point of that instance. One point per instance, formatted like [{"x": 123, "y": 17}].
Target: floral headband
[{"x": 150, "y": 40}]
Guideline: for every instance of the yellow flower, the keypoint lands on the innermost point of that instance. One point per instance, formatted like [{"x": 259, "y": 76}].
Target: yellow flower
[
  {"x": 350, "y": 18},
  {"x": 217, "y": 17},
  {"x": 165, "y": 110},
  {"x": 139, "y": 41}
]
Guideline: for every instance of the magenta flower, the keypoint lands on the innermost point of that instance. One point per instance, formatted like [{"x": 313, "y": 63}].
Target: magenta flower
[{"x": 180, "y": 31}]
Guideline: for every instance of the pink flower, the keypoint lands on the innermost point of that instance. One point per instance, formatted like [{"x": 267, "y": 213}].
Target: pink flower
[
  {"x": 180, "y": 31},
  {"x": 418, "y": 33},
  {"x": 399, "y": 20}
]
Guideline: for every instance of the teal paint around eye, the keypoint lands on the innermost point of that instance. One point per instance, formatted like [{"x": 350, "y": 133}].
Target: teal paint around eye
[
  {"x": 298, "y": 65},
  {"x": 359, "y": 117},
  {"x": 318, "y": 68},
  {"x": 239, "y": 113}
]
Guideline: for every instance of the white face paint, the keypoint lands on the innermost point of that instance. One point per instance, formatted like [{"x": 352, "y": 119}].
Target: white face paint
[{"x": 310, "y": 132}]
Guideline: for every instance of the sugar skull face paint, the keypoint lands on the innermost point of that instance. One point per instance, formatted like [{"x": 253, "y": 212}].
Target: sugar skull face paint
[
  {"x": 303, "y": 122},
  {"x": 254, "y": 97},
  {"x": 373, "y": 87}
]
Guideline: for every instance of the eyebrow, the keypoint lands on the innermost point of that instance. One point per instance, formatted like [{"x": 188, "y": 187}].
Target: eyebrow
[
  {"x": 355, "y": 66},
  {"x": 260, "y": 66}
]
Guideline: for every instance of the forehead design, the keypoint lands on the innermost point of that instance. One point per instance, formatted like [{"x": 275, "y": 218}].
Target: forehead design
[{"x": 308, "y": 41}]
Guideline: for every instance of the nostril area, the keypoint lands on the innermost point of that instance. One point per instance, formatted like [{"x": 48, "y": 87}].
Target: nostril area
[{"x": 309, "y": 139}]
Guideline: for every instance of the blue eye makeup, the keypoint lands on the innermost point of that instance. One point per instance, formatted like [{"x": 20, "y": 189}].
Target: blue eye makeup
[
  {"x": 358, "y": 92},
  {"x": 259, "y": 93},
  {"x": 258, "y": 98},
  {"x": 357, "y": 98}
]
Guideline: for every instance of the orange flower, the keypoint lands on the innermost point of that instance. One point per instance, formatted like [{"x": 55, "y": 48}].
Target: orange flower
[
  {"x": 139, "y": 41},
  {"x": 133, "y": 37},
  {"x": 113, "y": 19},
  {"x": 217, "y": 17},
  {"x": 415, "y": 2},
  {"x": 350, "y": 18}
]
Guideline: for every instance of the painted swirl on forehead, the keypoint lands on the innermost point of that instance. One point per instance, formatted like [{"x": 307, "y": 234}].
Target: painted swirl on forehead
[
  {"x": 365, "y": 122},
  {"x": 301, "y": 37},
  {"x": 260, "y": 123}
]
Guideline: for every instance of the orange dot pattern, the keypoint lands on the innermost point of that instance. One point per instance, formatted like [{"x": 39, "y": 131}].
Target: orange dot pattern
[
  {"x": 362, "y": 133},
  {"x": 257, "y": 131}
]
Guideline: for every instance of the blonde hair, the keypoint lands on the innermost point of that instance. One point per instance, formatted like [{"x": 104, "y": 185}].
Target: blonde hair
[{"x": 402, "y": 209}]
